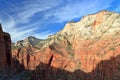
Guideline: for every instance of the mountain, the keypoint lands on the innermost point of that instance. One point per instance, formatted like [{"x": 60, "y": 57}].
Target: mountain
[
  {"x": 28, "y": 41},
  {"x": 80, "y": 45}
]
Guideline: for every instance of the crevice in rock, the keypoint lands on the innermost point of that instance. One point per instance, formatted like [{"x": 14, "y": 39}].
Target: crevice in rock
[
  {"x": 19, "y": 50},
  {"x": 28, "y": 59},
  {"x": 8, "y": 48},
  {"x": 50, "y": 61}
]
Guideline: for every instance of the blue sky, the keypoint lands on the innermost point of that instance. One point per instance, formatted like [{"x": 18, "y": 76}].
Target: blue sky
[{"x": 40, "y": 18}]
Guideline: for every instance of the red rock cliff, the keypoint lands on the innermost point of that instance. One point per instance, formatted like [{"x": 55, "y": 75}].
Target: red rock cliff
[
  {"x": 79, "y": 46},
  {"x": 5, "y": 49}
]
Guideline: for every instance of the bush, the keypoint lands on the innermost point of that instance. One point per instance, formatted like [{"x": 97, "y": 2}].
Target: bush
[{"x": 112, "y": 48}]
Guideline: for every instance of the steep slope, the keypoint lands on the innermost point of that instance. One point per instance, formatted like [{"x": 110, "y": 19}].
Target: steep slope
[
  {"x": 80, "y": 45},
  {"x": 5, "y": 55}
]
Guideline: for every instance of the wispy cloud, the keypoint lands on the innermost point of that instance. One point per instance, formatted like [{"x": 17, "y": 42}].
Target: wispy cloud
[
  {"x": 17, "y": 17},
  {"x": 7, "y": 21},
  {"x": 30, "y": 8},
  {"x": 44, "y": 34},
  {"x": 77, "y": 9},
  {"x": 27, "y": 17}
]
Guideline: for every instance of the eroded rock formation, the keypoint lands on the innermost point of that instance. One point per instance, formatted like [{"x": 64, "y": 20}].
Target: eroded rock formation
[{"x": 79, "y": 46}]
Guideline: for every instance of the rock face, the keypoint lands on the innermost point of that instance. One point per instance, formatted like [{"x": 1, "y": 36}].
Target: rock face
[
  {"x": 5, "y": 49},
  {"x": 28, "y": 41},
  {"x": 79, "y": 46}
]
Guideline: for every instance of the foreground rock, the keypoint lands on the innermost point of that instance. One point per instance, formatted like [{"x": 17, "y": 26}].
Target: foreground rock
[
  {"x": 90, "y": 46},
  {"x": 5, "y": 47},
  {"x": 5, "y": 55}
]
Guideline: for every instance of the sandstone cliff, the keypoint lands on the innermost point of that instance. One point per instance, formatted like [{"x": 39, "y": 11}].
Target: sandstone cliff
[
  {"x": 5, "y": 55},
  {"x": 80, "y": 45},
  {"x": 5, "y": 47}
]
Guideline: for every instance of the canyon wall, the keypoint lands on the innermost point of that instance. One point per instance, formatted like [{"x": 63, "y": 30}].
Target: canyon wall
[
  {"x": 5, "y": 49},
  {"x": 82, "y": 46}
]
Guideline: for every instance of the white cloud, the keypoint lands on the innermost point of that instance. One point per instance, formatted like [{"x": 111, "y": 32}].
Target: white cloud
[
  {"x": 78, "y": 9},
  {"x": 22, "y": 34},
  {"x": 19, "y": 24},
  {"x": 43, "y": 35},
  {"x": 30, "y": 8},
  {"x": 7, "y": 21}
]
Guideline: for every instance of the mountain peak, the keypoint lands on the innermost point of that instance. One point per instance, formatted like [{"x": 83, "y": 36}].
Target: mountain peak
[
  {"x": 31, "y": 37},
  {"x": 31, "y": 40},
  {"x": 103, "y": 11},
  {"x": 94, "y": 19},
  {"x": 95, "y": 25}
]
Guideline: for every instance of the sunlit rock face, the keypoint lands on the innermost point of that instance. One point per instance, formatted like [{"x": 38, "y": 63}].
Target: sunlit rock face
[
  {"x": 80, "y": 45},
  {"x": 5, "y": 49}
]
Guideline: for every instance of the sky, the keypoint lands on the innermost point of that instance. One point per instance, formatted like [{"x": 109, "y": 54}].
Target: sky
[{"x": 40, "y": 18}]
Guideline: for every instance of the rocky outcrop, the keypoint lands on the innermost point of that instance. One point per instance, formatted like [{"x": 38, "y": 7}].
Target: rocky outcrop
[
  {"x": 28, "y": 41},
  {"x": 79, "y": 46},
  {"x": 5, "y": 47}
]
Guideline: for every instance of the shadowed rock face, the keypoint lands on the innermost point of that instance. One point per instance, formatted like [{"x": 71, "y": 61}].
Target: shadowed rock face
[
  {"x": 79, "y": 46},
  {"x": 5, "y": 49}
]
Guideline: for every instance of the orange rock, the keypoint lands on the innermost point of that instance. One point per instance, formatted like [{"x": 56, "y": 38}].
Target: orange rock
[
  {"x": 69, "y": 51},
  {"x": 99, "y": 18}
]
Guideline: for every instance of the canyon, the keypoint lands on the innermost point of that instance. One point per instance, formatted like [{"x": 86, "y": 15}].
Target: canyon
[{"x": 85, "y": 50}]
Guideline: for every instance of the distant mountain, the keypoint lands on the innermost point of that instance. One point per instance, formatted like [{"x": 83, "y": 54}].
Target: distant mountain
[
  {"x": 79, "y": 46},
  {"x": 28, "y": 41}
]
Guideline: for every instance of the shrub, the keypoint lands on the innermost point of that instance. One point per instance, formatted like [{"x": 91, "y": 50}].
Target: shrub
[{"x": 112, "y": 48}]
